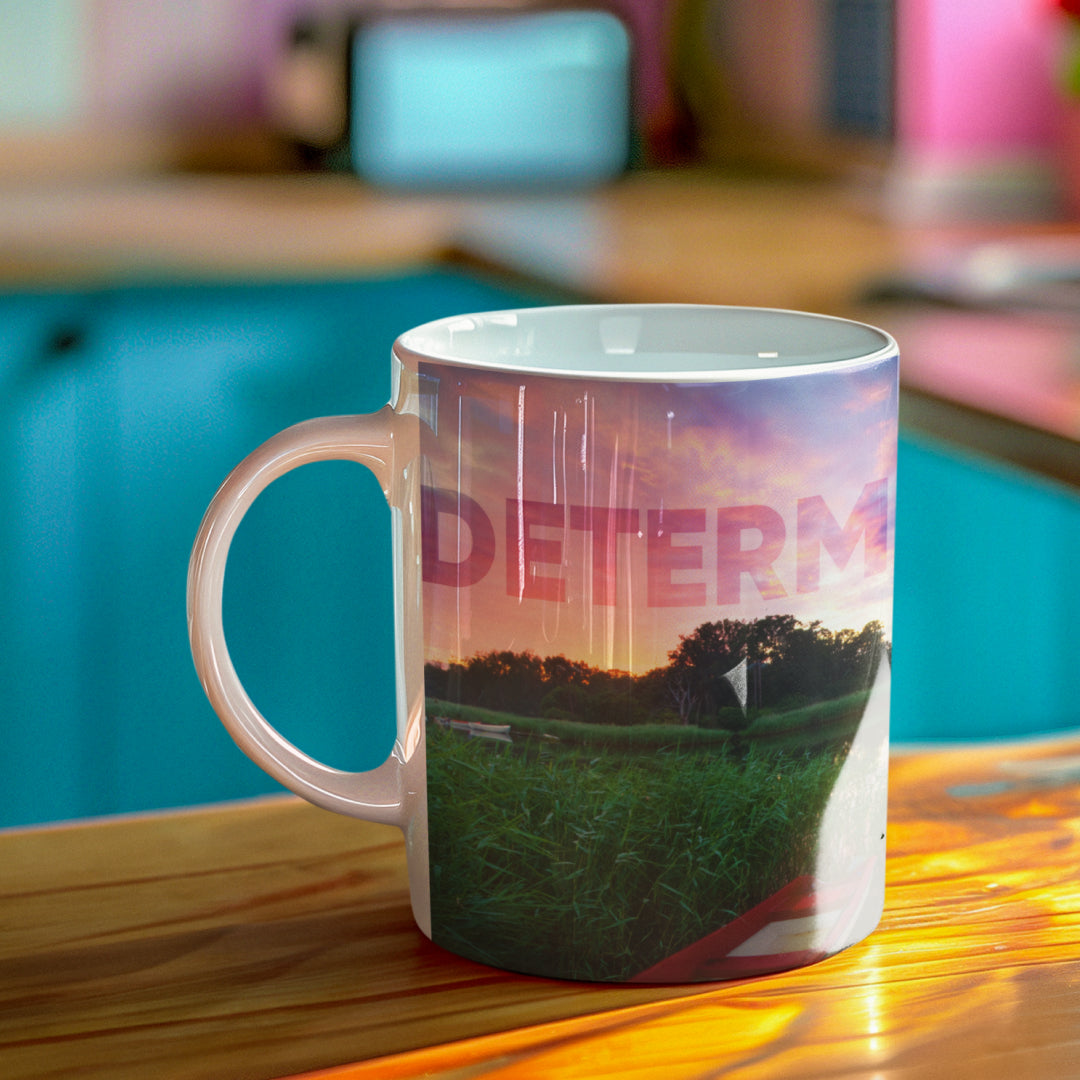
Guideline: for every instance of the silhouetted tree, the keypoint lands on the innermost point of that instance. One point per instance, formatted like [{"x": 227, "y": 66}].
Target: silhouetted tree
[{"x": 789, "y": 663}]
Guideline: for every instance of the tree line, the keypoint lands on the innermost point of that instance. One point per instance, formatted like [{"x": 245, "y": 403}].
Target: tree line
[{"x": 784, "y": 664}]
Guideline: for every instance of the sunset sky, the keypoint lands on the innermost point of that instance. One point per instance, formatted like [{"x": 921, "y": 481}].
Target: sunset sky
[{"x": 609, "y": 518}]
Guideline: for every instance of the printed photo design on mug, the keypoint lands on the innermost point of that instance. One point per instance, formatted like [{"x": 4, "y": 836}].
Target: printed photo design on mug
[{"x": 658, "y": 636}]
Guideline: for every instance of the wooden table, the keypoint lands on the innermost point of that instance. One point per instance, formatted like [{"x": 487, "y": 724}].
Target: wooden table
[{"x": 267, "y": 939}]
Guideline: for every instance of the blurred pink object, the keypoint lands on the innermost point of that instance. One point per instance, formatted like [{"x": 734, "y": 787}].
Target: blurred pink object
[{"x": 978, "y": 113}]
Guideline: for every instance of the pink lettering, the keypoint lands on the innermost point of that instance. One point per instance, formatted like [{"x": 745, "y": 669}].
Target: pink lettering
[
  {"x": 817, "y": 527},
  {"x": 605, "y": 524},
  {"x": 663, "y": 557},
  {"x": 435, "y": 502},
  {"x": 526, "y": 551},
  {"x": 732, "y": 560},
  {"x": 536, "y": 533}
]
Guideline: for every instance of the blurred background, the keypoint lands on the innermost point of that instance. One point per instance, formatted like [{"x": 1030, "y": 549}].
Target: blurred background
[{"x": 216, "y": 215}]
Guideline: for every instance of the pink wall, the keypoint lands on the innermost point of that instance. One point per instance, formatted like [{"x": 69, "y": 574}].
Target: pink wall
[{"x": 976, "y": 76}]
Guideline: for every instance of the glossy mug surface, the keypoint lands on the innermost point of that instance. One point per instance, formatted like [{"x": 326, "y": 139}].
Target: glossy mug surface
[{"x": 643, "y": 561}]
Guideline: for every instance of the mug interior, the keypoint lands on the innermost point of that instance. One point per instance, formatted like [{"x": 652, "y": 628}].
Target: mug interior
[{"x": 663, "y": 342}]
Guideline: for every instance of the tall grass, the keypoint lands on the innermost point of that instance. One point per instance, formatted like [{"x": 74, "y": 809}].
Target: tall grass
[{"x": 595, "y": 865}]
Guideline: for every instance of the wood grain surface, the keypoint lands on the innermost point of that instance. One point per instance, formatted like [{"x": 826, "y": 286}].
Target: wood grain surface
[
  {"x": 972, "y": 973},
  {"x": 269, "y": 939}
]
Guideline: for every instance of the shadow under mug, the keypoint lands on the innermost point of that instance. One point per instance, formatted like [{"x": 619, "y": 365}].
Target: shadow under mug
[{"x": 643, "y": 581}]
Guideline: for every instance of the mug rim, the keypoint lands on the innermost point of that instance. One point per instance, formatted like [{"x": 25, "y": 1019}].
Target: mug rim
[{"x": 614, "y": 354}]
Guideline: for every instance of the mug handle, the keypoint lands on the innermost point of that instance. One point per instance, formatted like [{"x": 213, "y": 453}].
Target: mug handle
[{"x": 383, "y": 794}]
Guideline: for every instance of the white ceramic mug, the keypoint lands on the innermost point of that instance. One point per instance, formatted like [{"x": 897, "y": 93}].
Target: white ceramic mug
[{"x": 643, "y": 573}]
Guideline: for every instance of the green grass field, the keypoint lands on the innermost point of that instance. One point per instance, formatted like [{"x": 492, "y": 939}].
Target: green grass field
[{"x": 599, "y": 854}]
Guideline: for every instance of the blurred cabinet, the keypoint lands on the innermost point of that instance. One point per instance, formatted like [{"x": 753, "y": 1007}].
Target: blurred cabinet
[
  {"x": 987, "y": 608},
  {"x": 123, "y": 409}
]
